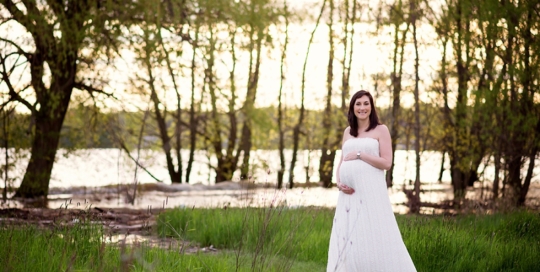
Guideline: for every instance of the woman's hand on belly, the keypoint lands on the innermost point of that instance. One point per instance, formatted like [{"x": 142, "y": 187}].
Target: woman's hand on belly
[
  {"x": 345, "y": 189},
  {"x": 347, "y": 171},
  {"x": 350, "y": 156}
]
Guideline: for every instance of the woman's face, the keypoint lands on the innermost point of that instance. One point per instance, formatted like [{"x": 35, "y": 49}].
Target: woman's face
[{"x": 362, "y": 108}]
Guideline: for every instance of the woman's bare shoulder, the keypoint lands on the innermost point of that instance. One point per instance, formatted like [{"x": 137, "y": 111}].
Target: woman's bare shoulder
[
  {"x": 346, "y": 134},
  {"x": 382, "y": 128},
  {"x": 382, "y": 132}
]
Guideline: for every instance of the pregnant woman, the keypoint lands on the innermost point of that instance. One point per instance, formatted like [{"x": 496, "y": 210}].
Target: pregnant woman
[{"x": 365, "y": 235}]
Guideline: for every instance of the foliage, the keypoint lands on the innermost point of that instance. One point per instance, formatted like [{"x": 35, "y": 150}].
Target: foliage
[
  {"x": 40, "y": 69},
  {"x": 496, "y": 81}
]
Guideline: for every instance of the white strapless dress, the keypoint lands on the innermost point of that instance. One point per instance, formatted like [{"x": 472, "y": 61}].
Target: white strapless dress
[{"x": 365, "y": 235}]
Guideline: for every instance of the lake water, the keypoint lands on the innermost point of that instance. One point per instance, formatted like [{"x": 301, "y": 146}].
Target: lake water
[
  {"x": 80, "y": 176},
  {"x": 101, "y": 167}
]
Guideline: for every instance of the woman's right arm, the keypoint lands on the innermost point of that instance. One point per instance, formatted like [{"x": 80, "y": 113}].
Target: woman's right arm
[
  {"x": 344, "y": 188},
  {"x": 337, "y": 170},
  {"x": 338, "y": 183}
]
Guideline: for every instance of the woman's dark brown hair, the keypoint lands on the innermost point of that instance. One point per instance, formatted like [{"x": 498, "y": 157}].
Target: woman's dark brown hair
[{"x": 353, "y": 121}]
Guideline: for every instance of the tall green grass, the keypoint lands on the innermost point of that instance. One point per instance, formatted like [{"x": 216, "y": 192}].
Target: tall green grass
[
  {"x": 167, "y": 260},
  {"x": 295, "y": 234},
  {"x": 273, "y": 239},
  {"x": 27, "y": 248},
  {"x": 82, "y": 247},
  {"x": 500, "y": 242}
]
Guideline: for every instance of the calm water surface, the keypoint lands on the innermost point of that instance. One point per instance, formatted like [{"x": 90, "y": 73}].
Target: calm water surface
[{"x": 79, "y": 176}]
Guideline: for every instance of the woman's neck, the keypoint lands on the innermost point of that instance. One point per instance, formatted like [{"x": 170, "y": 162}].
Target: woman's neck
[{"x": 363, "y": 125}]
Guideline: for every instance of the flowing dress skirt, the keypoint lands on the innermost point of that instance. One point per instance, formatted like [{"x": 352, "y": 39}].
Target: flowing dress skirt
[{"x": 365, "y": 235}]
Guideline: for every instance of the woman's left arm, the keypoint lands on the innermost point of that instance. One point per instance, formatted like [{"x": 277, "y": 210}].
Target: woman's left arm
[{"x": 385, "y": 151}]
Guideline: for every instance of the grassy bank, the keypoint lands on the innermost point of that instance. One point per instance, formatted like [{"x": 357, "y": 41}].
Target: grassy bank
[
  {"x": 500, "y": 242},
  {"x": 82, "y": 247},
  {"x": 273, "y": 239},
  {"x": 27, "y": 248}
]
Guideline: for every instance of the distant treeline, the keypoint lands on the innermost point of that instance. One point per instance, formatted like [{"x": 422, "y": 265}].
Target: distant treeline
[{"x": 89, "y": 127}]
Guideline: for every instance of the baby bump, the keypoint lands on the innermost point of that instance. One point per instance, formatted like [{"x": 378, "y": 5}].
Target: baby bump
[
  {"x": 349, "y": 172},
  {"x": 353, "y": 172}
]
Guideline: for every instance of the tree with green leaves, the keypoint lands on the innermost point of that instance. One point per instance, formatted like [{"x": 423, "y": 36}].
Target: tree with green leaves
[
  {"x": 158, "y": 46},
  {"x": 64, "y": 39},
  {"x": 489, "y": 79}
]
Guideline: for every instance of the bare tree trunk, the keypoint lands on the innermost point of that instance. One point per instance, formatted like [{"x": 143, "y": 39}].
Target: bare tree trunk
[
  {"x": 496, "y": 180},
  {"x": 177, "y": 173},
  {"x": 396, "y": 76},
  {"x": 515, "y": 145},
  {"x": 446, "y": 108},
  {"x": 231, "y": 160},
  {"x": 251, "y": 94},
  {"x": 224, "y": 169},
  {"x": 462, "y": 46},
  {"x": 5, "y": 114},
  {"x": 442, "y": 166},
  {"x": 333, "y": 133},
  {"x": 530, "y": 72},
  {"x": 297, "y": 129},
  {"x": 281, "y": 130},
  {"x": 226, "y": 163},
  {"x": 415, "y": 207},
  {"x": 48, "y": 124},
  {"x": 132, "y": 195},
  {"x": 193, "y": 121},
  {"x": 159, "y": 116},
  {"x": 328, "y": 151},
  {"x": 532, "y": 158}
]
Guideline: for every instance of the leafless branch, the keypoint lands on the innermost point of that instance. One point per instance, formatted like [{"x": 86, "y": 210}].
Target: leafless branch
[
  {"x": 19, "y": 49},
  {"x": 91, "y": 90},
  {"x": 14, "y": 96},
  {"x": 122, "y": 144}
]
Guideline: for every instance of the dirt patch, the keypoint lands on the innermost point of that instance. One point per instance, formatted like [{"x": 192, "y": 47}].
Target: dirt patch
[
  {"x": 122, "y": 226},
  {"x": 114, "y": 220}
]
